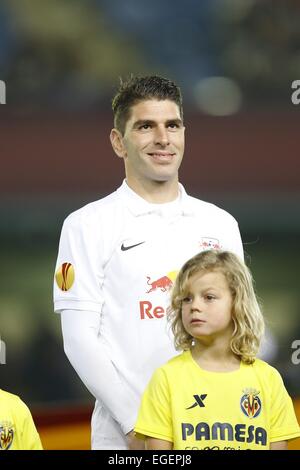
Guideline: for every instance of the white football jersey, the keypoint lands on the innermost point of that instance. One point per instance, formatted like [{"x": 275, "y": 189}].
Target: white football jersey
[{"x": 119, "y": 256}]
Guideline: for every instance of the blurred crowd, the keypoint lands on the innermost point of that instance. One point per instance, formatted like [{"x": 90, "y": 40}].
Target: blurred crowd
[
  {"x": 68, "y": 54},
  {"x": 227, "y": 56}
]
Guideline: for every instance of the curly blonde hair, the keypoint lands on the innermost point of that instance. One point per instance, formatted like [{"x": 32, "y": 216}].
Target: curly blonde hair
[{"x": 246, "y": 313}]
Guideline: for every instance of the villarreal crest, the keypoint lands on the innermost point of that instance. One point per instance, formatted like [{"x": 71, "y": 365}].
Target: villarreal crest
[
  {"x": 250, "y": 403},
  {"x": 6, "y": 435}
]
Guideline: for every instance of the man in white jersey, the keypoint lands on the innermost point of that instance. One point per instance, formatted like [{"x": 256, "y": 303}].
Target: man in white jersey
[{"x": 119, "y": 256}]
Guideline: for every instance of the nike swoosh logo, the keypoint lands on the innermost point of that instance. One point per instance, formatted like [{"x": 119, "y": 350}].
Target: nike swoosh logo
[{"x": 125, "y": 248}]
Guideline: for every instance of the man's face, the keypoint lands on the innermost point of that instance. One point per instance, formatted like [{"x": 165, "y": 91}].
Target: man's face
[{"x": 153, "y": 141}]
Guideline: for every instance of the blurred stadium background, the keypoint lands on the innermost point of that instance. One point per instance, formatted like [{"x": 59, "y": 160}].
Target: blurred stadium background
[{"x": 235, "y": 61}]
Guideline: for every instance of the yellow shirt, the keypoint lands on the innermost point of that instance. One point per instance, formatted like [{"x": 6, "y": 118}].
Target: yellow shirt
[
  {"x": 17, "y": 429},
  {"x": 200, "y": 410}
]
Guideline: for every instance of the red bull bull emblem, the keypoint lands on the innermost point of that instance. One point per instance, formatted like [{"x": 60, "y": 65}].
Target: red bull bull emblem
[
  {"x": 251, "y": 403},
  {"x": 163, "y": 283}
]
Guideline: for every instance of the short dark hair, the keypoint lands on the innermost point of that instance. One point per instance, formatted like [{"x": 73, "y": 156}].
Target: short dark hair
[{"x": 136, "y": 89}]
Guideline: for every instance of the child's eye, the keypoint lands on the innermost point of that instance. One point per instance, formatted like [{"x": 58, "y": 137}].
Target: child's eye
[
  {"x": 186, "y": 299},
  {"x": 210, "y": 297}
]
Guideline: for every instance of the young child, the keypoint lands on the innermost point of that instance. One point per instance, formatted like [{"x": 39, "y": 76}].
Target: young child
[
  {"x": 17, "y": 429},
  {"x": 216, "y": 394}
]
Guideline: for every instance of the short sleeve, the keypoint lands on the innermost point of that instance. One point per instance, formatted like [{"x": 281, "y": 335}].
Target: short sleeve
[
  {"x": 154, "y": 417},
  {"x": 29, "y": 439},
  {"x": 78, "y": 274},
  {"x": 284, "y": 424}
]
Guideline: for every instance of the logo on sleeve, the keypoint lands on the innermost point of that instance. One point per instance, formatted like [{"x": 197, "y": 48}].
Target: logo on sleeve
[
  {"x": 251, "y": 403},
  {"x": 65, "y": 276},
  {"x": 6, "y": 435}
]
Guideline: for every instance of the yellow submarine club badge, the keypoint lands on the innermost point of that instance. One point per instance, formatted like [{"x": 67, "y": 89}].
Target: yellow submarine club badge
[
  {"x": 250, "y": 403},
  {"x": 6, "y": 435},
  {"x": 65, "y": 276}
]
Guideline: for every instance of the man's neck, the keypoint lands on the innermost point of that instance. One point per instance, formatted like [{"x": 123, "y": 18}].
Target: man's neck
[{"x": 155, "y": 192}]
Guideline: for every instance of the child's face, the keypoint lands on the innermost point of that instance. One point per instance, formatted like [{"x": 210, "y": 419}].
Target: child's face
[{"x": 207, "y": 307}]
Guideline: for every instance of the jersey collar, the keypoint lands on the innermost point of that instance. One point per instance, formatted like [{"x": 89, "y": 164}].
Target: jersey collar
[{"x": 139, "y": 206}]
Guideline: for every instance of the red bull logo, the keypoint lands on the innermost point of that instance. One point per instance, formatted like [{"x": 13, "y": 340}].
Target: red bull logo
[
  {"x": 148, "y": 311},
  {"x": 163, "y": 283},
  {"x": 210, "y": 244}
]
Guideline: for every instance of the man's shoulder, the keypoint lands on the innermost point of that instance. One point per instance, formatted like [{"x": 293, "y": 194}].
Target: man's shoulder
[
  {"x": 201, "y": 208},
  {"x": 92, "y": 211}
]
